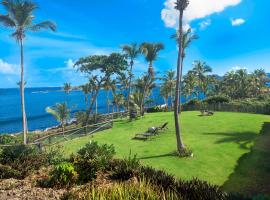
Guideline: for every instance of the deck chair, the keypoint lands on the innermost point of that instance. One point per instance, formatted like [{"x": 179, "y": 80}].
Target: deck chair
[
  {"x": 146, "y": 136},
  {"x": 163, "y": 127}
]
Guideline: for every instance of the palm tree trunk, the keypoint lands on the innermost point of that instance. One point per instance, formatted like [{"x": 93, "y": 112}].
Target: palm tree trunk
[
  {"x": 180, "y": 82},
  {"x": 129, "y": 85},
  {"x": 180, "y": 144},
  {"x": 24, "y": 122}
]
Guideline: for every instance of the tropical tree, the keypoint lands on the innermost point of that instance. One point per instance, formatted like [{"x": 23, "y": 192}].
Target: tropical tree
[
  {"x": 86, "y": 89},
  {"x": 143, "y": 87},
  {"x": 61, "y": 113},
  {"x": 109, "y": 85},
  {"x": 106, "y": 66},
  {"x": 118, "y": 101},
  {"x": 132, "y": 51},
  {"x": 20, "y": 18},
  {"x": 150, "y": 51},
  {"x": 181, "y": 5},
  {"x": 189, "y": 84},
  {"x": 169, "y": 80},
  {"x": 67, "y": 88},
  {"x": 165, "y": 93},
  {"x": 201, "y": 69},
  {"x": 258, "y": 81}
]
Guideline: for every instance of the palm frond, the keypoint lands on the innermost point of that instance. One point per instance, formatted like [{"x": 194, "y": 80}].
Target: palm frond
[
  {"x": 43, "y": 25},
  {"x": 7, "y": 21}
]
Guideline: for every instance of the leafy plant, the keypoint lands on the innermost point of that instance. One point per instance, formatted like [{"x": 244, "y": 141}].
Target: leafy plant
[
  {"x": 22, "y": 158},
  {"x": 63, "y": 175},
  {"x": 7, "y": 172},
  {"x": 217, "y": 99},
  {"x": 8, "y": 139},
  {"x": 91, "y": 159},
  {"x": 125, "y": 169}
]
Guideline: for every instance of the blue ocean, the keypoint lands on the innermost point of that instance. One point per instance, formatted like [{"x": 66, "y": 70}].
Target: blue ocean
[{"x": 37, "y": 99}]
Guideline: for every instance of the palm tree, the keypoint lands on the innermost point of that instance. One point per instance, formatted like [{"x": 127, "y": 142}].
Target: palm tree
[
  {"x": 132, "y": 52},
  {"x": 67, "y": 88},
  {"x": 201, "y": 69},
  {"x": 20, "y": 17},
  {"x": 189, "y": 83},
  {"x": 181, "y": 5},
  {"x": 150, "y": 51},
  {"x": 165, "y": 93},
  {"x": 86, "y": 89},
  {"x": 170, "y": 81},
  {"x": 61, "y": 113},
  {"x": 109, "y": 85},
  {"x": 259, "y": 79}
]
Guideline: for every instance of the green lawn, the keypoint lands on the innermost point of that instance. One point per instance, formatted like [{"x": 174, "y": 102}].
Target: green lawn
[{"x": 221, "y": 145}]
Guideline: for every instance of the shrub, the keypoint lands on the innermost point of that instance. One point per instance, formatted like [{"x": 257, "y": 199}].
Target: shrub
[
  {"x": 63, "y": 176},
  {"x": 192, "y": 102},
  {"x": 55, "y": 155},
  {"x": 125, "y": 169},
  {"x": 217, "y": 100},
  {"x": 123, "y": 191},
  {"x": 199, "y": 190},
  {"x": 91, "y": 159},
  {"x": 155, "y": 109},
  {"x": 24, "y": 159},
  {"x": 8, "y": 139},
  {"x": 157, "y": 177},
  {"x": 6, "y": 172}
]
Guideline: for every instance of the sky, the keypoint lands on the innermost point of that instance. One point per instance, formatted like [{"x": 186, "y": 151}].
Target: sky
[{"x": 232, "y": 34}]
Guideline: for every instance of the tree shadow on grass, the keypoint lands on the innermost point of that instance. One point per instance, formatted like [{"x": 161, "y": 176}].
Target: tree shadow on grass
[
  {"x": 241, "y": 138},
  {"x": 157, "y": 156},
  {"x": 252, "y": 172}
]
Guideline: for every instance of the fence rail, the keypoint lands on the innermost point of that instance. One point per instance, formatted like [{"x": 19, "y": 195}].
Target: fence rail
[{"x": 55, "y": 137}]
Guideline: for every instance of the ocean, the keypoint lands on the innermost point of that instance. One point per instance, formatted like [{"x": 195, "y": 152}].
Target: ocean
[{"x": 36, "y": 101}]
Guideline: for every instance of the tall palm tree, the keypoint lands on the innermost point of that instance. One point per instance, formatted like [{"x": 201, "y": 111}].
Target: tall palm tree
[
  {"x": 170, "y": 80},
  {"x": 201, "y": 69},
  {"x": 61, "y": 113},
  {"x": 150, "y": 51},
  {"x": 165, "y": 93},
  {"x": 86, "y": 89},
  {"x": 180, "y": 6},
  {"x": 109, "y": 85},
  {"x": 132, "y": 52},
  {"x": 20, "y": 18}
]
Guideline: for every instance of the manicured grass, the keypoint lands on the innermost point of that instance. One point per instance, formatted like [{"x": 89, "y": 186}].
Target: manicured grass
[{"x": 218, "y": 143}]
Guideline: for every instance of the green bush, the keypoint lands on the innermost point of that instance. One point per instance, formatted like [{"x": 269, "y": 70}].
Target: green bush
[
  {"x": 125, "y": 169},
  {"x": 63, "y": 176},
  {"x": 199, "y": 190},
  {"x": 7, "y": 172},
  {"x": 192, "y": 102},
  {"x": 91, "y": 159},
  {"x": 217, "y": 100},
  {"x": 55, "y": 155},
  {"x": 155, "y": 109},
  {"x": 8, "y": 139},
  {"x": 24, "y": 159}
]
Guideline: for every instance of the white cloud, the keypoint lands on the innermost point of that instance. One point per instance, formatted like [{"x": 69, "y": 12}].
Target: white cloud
[
  {"x": 197, "y": 9},
  {"x": 237, "y": 22},
  {"x": 70, "y": 64},
  {"x": 236, "y": 68},
  {"x": 6, "y": 68},
  {"x": 204, "y": 24}
]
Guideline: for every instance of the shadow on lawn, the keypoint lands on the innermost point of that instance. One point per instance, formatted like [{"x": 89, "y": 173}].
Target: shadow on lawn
[
  {"x": 243, "y": 138},
  {"x": 252, "y": 173},
  {"x": 157, "y": 156}
]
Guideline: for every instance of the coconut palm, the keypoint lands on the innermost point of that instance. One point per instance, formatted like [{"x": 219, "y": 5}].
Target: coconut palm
[
  {"x": 258, "y": 81},
  {"x": 150, "y": 51},
  {"x": 170, "y": 81},
  {"x": 67, "y": 88},
  {"x": 189, "y": 84},
  {"x": 188, "y": 37},
  {"x": 165, "y": 92},
  {"x": 109, "y": 85},
  {"x": 180, "y": 6},
  {"x": 61, "y": 113},
  {"x": 20, "y": 18},
  {"x": 86, "y": 89},
  {"x": 201, "y": 69},
  {"x": 132, "y": 51}
]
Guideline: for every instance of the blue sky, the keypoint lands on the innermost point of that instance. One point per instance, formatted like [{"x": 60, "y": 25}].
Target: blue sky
[{"x": 233, "y": 34}]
